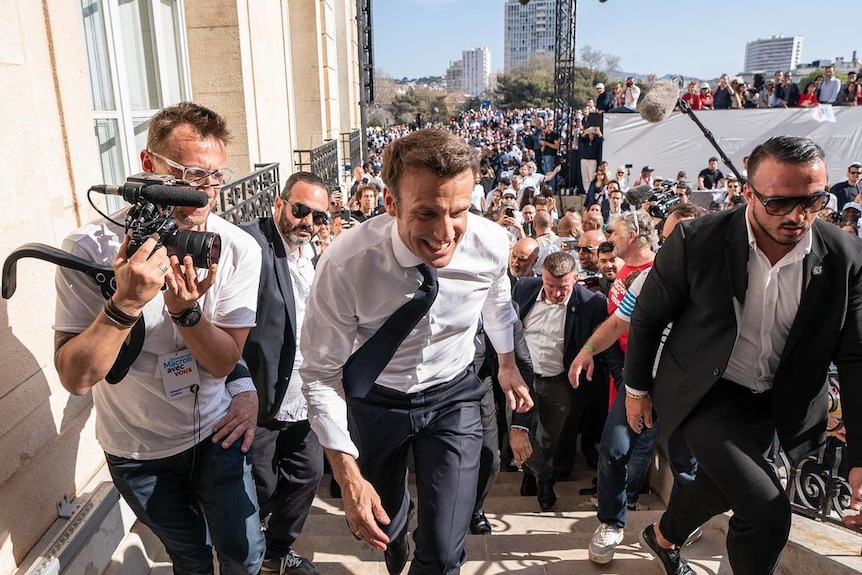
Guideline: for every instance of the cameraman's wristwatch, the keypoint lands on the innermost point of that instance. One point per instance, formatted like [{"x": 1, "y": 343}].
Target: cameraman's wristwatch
[{"x": 189, "y": 317}]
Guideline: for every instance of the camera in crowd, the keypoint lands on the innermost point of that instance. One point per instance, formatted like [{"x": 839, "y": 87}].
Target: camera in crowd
[
  {"x": 153, "y": 197},
  {"x": 664, "y": 199}
]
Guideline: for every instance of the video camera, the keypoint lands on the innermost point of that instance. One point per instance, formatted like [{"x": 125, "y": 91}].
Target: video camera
[
  {"x": 153, "y": 195},
  {"x": 664, "y": 198}
]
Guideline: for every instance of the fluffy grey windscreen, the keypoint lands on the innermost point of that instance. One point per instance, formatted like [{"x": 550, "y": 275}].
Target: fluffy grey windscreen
[{"x": 660, "y": 101}]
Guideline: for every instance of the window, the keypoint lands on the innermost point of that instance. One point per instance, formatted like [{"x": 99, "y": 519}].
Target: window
[{"x": 136, "y": 54}]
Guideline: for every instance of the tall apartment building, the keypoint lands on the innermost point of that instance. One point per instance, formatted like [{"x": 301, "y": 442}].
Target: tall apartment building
[
  {"x": 528, "y": 30},
  {"x": 455, "y": 77},
  {"x": 772, "y": 54},
  {"x": 477, "y": 70}
]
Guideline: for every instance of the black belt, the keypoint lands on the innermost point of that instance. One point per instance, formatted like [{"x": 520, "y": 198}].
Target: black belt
[{"x": 558, "y": 376}]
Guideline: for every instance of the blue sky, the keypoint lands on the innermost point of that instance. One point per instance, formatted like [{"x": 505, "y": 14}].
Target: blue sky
[{"x": 416, "y": 38}]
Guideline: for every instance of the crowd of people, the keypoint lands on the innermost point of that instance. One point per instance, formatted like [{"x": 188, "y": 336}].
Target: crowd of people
[{"x": 470, "y": 322}]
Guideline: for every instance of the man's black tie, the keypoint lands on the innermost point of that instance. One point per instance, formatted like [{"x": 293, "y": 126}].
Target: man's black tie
[{"x": 366, "y": 364}]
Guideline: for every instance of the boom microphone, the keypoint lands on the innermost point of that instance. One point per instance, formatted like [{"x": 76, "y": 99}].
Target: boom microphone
[
  {"x": 660, "y": 101},
  {"x": 134, "y": 192},
  {"x": 638, "y": 195}
]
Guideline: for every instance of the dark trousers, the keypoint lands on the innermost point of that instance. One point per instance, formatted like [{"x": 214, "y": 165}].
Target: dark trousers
[
  {"x": 443, "y": 427},
  {"x": 287, "y": 465},
  {"x": 489, "y": 459},
  {"x": 728, "y": 432},
  {"x": 553, "y": 397}
]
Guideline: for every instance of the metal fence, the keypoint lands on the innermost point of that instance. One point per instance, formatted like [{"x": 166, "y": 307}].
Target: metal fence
[
  {"x": 251, "y": 196},
  {"x": 351, "y": 148},
  {"x": 322, "y": 161}
]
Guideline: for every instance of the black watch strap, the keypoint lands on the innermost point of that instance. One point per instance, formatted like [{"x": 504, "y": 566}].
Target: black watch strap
[{"x": 189, "y": 317}]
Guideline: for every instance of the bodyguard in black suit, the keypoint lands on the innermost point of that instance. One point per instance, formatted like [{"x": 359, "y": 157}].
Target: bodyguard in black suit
[
  {"x": 555, "y": 396},
  {"x": 761, "y": 300},
  {"x": 287, "y": 457}
]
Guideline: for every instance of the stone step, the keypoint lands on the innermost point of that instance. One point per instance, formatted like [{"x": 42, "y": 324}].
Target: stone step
[{"x": 524, "y": 539}]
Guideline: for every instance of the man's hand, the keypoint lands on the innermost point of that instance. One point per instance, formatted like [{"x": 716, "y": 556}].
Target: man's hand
[
  {"x": 638, "y": 412},
  {"x": 240, "y": 421},
  {"x": 519, "y": 441},
  {"x": 363, "y": 511},
  {"x": 584, "y": 360},
  {"x": 139, "y": 277},
  {"x": 517, "y": 393},
  {"x": 184, "y": 288},
  {"x": 855, "y": 481}
]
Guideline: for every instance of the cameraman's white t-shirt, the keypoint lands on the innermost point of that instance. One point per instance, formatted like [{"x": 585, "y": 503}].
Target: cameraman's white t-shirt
[{"x": 134, "y": 419}]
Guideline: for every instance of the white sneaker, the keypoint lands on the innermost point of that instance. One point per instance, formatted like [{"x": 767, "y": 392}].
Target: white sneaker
[{"x": 604, "y": 543}]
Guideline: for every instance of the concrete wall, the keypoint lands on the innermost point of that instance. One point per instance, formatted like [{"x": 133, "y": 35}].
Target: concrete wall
[{"x": 48, "y": 155}]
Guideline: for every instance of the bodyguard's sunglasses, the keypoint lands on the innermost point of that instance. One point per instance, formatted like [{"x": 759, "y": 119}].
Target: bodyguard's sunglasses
[
  {"x": 781, "y": 206},
  {"x": 300, "y": 211}
]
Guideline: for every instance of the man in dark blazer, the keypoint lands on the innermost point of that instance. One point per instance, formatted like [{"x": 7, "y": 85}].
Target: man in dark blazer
[
  {"x": 287, "y": 457},
  {"x": 761, "y": 300},
  {"x": 541, "y": 302}
]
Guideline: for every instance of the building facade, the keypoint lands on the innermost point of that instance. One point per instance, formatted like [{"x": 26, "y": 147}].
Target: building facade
[
  {"x": 772, "y": 54},
  {"x": 528, "y": 30},
  {"x": 455, "y": 77},
  {"x": 477, "y": 70},
  {"x": 87, "y": 76}
]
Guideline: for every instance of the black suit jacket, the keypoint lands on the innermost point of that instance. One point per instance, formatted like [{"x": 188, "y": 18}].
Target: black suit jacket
[
  {"x": 697, "y": 276},
  {"x": 585, "y": 310},
  {"x": 271, "y": 345}
]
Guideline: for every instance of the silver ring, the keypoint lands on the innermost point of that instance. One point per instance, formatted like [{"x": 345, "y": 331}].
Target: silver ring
[
  {"x": 356, "y": 533},
  {"x": 164, "y": 268}
]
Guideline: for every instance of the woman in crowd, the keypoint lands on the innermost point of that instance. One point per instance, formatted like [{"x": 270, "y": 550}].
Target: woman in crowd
[{"x": 808, "y": 98}]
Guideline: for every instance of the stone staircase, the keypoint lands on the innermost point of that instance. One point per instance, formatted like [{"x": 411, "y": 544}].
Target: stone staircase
[{"x": 524, "y": 540}]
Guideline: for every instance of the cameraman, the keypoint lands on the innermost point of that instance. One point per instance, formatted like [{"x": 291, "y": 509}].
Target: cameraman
[
  {"x": 169, "y": 439},
  {"x": 631, "y": 94}
]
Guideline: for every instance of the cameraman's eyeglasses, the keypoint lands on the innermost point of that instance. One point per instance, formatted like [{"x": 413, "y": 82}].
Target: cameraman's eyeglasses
[
  {"x": 198, "y": 176},
  {"x": 781, "y": 206},
  {"x": 300, "y": 211}
]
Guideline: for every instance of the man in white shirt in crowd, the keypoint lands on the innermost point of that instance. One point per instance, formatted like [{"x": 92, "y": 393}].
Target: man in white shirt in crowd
[{"x": 426, "y": 397}]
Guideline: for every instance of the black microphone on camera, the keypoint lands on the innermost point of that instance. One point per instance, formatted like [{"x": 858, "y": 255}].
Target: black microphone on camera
[
  {"x": 155, "y": 189},
  {"x": 638, "y": 195}
]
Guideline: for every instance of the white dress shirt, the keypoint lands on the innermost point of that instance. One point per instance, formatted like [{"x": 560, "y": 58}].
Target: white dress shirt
[
  {"x": 544, "y": 331},
  {"x": 361, "y": 280},
  {"x": 771, "y": 302}
]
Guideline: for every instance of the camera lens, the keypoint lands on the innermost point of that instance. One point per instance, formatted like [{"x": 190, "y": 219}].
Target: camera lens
[{"x": 204, "y": 247}]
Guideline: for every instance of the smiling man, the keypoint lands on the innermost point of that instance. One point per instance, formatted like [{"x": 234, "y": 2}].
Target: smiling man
[{"x": 416, "y": 280}]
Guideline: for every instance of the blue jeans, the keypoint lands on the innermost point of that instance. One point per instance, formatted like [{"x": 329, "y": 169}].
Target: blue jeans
[
  {"x": 183, "y": 497},
  {"x": 548, "y": 165},
  {"x": 623, "y": 454}
]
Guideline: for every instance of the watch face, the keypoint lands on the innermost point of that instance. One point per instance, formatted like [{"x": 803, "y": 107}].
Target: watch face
[{"x": 190, "y": 317}]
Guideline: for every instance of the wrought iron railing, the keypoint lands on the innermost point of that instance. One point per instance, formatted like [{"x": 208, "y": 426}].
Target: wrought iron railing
[
  {"x": 818, "y": 486},
  {"x": 351, "y": 147},
  {"x": 322, "y": 161},
  {"x": 251, "y": 196}
]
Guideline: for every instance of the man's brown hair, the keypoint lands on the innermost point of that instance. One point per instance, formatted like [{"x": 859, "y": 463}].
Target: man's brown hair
[
  {"x": 205, "y": 122},
  {"x": 559, "y": 264},
  {"x": 442, "y": 153}
]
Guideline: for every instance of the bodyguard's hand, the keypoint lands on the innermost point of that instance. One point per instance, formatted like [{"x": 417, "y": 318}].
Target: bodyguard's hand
[
  {"x": 364, "y": 511},
  {"x": 638, "y": 412},
  {"x": 855, "y": 481},
  {"x": 582, "y": 361},
  {"x": 519, "y": 441},
  {"x": 240, "y": 421}
]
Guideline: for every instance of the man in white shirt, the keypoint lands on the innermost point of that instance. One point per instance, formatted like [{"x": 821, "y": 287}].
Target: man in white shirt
[
  {"x": 426, "y": 397},
  {"x": 830, "y": 88}
]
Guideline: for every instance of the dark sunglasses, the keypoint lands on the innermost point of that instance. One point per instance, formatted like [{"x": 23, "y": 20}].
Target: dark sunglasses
[
  {"x": 586, "y": 249},
  {"x": 781, "y": 206},
  {"x": 300, "y": 211},
  {"x": 856, "y": 173}
]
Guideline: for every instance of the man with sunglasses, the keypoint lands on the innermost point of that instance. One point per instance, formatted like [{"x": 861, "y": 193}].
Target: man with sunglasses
[
  {"x": 288, "y": 458},
  {"x": 847, "y": 190},
  {"x": 762, "y": 299},
  {"x": 170, "y": 427}
]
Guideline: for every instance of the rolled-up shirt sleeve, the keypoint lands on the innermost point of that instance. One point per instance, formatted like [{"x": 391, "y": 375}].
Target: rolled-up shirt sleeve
[
  {"x": 498, "y": 314},
  {"x": 328, "y": 333}
]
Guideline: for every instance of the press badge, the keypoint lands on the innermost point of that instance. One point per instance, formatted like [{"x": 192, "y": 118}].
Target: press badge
[{"x": 180, "y": 374}]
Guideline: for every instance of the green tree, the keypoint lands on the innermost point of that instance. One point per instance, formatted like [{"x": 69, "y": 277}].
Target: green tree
[
  {"x": 528, "y": 86},
  {"x": 431, "y": 104}
]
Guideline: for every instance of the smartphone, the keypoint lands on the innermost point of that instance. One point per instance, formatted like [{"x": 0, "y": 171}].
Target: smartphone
[
  {"x": 569, "y": 244},
  {"x": 510, "y": 212}
]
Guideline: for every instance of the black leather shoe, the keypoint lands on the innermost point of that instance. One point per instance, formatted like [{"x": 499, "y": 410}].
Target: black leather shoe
[
  {"x": 671, "y": 561},
  {"x": 480, "y": 525},
  {"x": 528, "y": 485},
  {"x": 396, "y": 554},
  {"x": 547, "y": 497}
]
